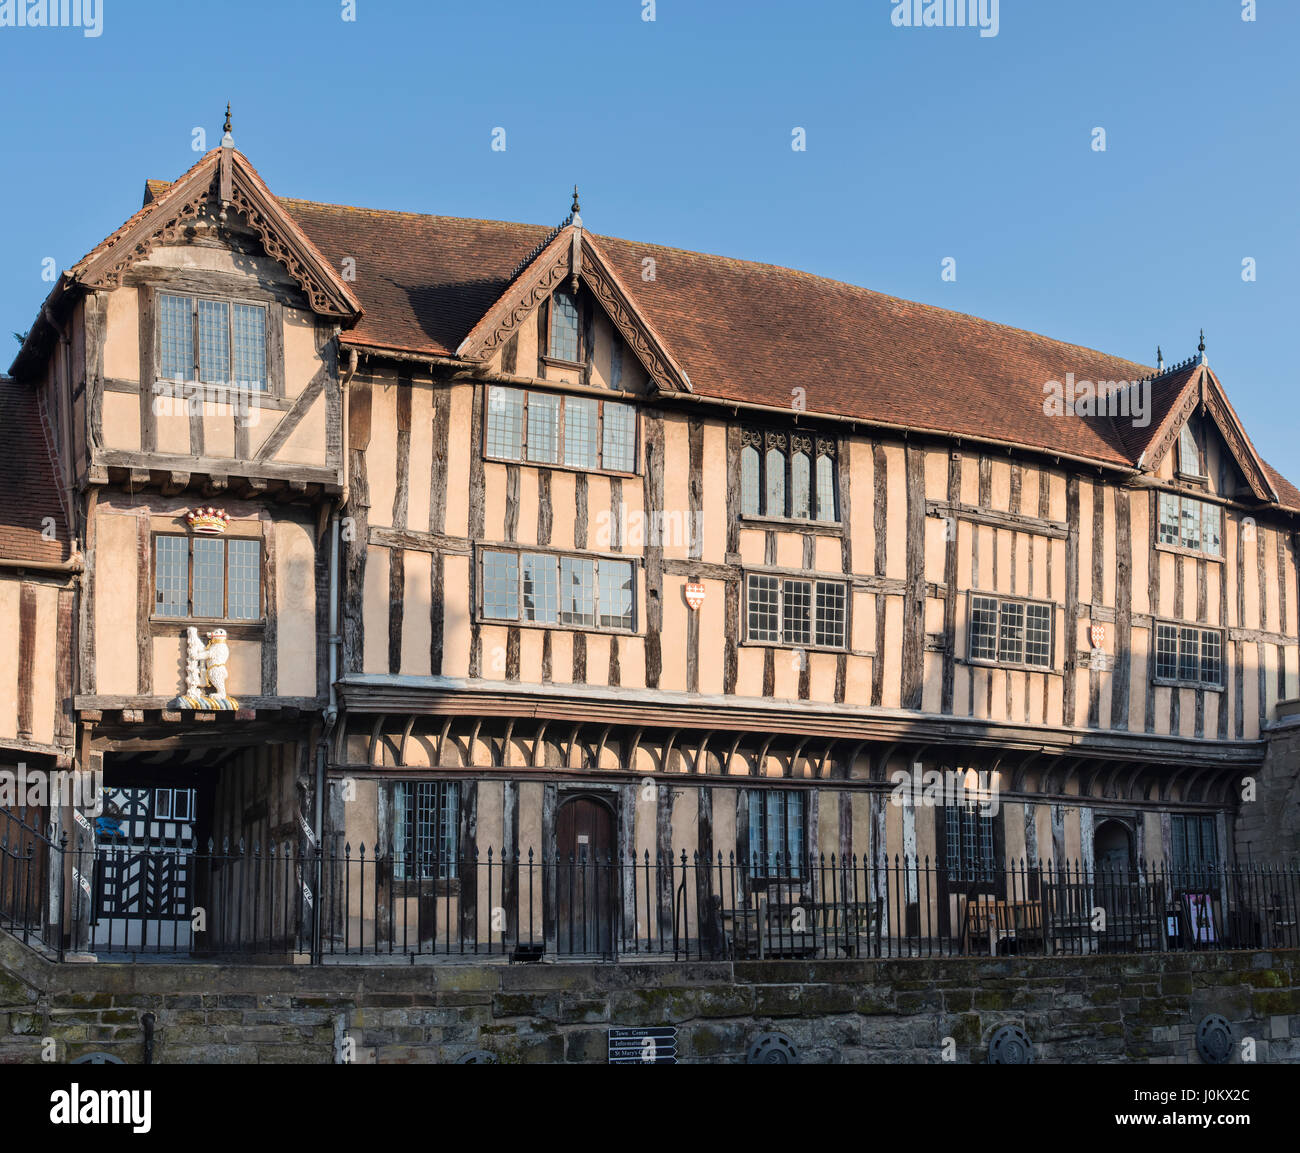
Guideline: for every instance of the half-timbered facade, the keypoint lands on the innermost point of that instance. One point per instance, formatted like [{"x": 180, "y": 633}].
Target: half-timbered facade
[{"x": 542, "y": 540}]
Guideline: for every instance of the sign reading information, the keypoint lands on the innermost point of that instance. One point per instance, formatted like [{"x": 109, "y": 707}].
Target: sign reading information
[{"x": 657, "y": 1046}]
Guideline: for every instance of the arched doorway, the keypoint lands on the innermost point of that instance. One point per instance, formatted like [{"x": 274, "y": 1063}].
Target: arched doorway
[
  {"x": 586, "y": 877},
  {"x": 1112, "y": 850},
  {"x": 1114, "y": 874}
]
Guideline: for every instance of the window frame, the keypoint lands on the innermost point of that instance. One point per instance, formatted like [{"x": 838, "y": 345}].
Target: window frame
[
  {"x": 981, "y": 873},
  {"x": 788, "y": 445},
  {"x": 560, "y": 430},
  {"x": 1024, "y": 604},
  {"x": 1179, "y": 681},
  {"x": 1185, "y": 864},
  {"x": 440, "y": 880},
  {"x": 270, "y": 384},
  {"x": 1198, "y": 474},
  {"x": 227, "y": 621},
  {"x": 757, "y": 865},
  {"x": 549, "y": 355},
  {"x": 634, "y": 564},
  {"x": 813, "y": 580},
  {"x": 1157, "y": 525}
]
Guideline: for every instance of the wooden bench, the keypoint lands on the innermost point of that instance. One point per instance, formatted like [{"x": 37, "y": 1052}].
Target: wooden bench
[
  {"x": 993, "y": 921},
  {"x": 848, "y": 926},
  {"x": 794, "y": 928}
]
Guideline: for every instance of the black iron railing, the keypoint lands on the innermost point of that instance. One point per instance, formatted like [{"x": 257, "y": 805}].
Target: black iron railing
[
  {"x": 293, "y": 902},
  {"x": 31, "y": 879}
]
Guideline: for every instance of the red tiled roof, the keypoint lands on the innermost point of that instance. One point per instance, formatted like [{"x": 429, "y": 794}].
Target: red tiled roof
[
  {"x": 1288, "y": 494},
  {"x": 753, "y": 332},
  {"x": 424, "y": 281},
  {"x": 743, "y": 331},
  {"x": 28, "y": 481}
]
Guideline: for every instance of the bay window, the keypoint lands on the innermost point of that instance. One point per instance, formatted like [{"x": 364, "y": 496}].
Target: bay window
[
  {"x": 211, "y": 341},
  {"x": 1186, "y": 522},
  {"x": 580, "y": 432},
  {"x": 551, "y": 589},
  {"x": 1010, "y": 632},
  {"x": 788, "y": 475}
]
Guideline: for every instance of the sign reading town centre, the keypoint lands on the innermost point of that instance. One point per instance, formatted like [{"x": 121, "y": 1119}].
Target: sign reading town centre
[{"x": 656, "y": 1046}]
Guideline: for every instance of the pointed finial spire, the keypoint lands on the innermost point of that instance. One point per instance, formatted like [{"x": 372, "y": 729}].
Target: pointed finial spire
[
  {"x": 1160, "y": 360},
  {"x": 576, "y": 206},
  {"x": 1201, "y": 347},
  {"x": 227, "y": 141},
  {"x": 227, "y": 127}
]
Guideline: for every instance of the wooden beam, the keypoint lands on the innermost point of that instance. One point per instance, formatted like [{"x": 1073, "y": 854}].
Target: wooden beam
[
  {"x": 143, "y": 606},
  {"x": 26, "y": 660},
  {"x": 146, "y": 299}
]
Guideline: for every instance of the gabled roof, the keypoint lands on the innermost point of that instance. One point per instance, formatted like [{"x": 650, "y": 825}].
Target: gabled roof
[
  {"x": 167, "y": 210},
  {"x": 1181, "y": 392},
  {"x": 725, "y": 330},
  {"x": 752, "y": 333},
  {"x": 29, "y": 482},
  {"x": 742, "y": 332},
  {"x": 573, "y": 254}
]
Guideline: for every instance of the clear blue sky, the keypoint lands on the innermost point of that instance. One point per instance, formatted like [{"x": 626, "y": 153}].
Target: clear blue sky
[{"x": 921, "y": 144}]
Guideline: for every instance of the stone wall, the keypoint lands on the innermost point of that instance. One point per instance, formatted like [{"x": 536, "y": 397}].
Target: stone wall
[
  {"x": 1268, "y": 828},
  {"x": 1081, "y": 1009}
]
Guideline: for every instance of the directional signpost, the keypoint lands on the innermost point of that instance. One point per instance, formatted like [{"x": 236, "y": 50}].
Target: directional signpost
[{"x": 656, "y": 1046}]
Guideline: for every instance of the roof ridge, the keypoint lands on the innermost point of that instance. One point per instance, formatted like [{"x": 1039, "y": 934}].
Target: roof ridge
[{"x": 397, "y": 212}]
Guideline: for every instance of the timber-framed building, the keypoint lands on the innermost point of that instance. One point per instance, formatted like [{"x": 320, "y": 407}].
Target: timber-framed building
[{"x": 528, "y": 539}]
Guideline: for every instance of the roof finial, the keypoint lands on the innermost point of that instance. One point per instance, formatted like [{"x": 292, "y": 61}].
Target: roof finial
[
  {"x": 227, "y": 141},
  {"x": 576, "y": 206},
  {"x": 1160, "y": 360},
  {"x": 1201, "y": 347}
]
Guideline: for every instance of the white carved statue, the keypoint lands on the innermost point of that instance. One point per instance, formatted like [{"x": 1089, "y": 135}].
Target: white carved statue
[
  {"x": 206, "y": 673},
  {"x": 217, "y": 654},
  {"x": 193, "y": 655}
]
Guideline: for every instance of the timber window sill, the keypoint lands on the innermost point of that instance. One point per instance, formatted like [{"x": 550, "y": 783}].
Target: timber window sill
[
  {"x": 1008, "y": 666},
  {"x": 559, "y": 466},
  {"x": 789, "y": 647},
  {"x": 182, "y": 392},
  {"x": 793, "y": 524},
  {"x": 1166, "y": 683},
  {"x": 235, "y": 630},
  {"x": 1194, "y": 553},
  {"x": 560, "y": 362},
  {"x": 591, "y": 630}
]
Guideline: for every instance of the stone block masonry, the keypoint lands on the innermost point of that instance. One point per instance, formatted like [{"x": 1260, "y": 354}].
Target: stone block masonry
[{"x": 1078, "y": 1009}]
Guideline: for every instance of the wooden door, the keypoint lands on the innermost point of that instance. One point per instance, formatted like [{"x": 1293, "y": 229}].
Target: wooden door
[{"x": 586, "y": 878}]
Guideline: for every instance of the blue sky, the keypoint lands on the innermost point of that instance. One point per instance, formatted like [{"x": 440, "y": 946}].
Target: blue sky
[{"x": 922, "y": 144}]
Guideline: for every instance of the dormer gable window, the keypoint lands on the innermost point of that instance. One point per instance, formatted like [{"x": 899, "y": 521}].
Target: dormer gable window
[
  {"x": 564, "y": 328},
  {"x": 1189, "y": 453},
  {"x": 587, "y": 433},
  {"x": 218, "y": 342}
]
